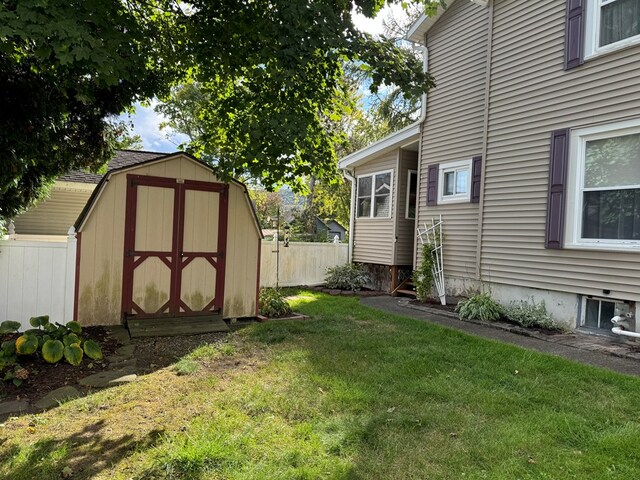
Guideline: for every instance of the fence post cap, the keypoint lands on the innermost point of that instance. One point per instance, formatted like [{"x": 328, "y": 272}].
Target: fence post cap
[{"x": 71, "y": 233}]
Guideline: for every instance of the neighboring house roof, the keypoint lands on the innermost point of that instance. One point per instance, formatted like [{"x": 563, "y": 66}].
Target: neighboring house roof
[
  {"x": 421, "y": 26},
  {"x": 407, "y": 136},
  {"x": 331, "y": 224},
  {"x": 122, "y": 158}
]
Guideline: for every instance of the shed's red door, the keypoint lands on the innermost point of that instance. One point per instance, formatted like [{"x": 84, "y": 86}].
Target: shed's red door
[{"x": 175, "y": 238}]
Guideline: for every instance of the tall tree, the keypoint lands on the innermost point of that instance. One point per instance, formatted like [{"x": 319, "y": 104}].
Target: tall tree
[
  {"x": 65, "y": 69},
  {"x": 270, "y": 70}
]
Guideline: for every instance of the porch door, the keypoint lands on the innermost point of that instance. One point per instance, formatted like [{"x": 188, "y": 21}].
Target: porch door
[{"x": 175, "y": 237}]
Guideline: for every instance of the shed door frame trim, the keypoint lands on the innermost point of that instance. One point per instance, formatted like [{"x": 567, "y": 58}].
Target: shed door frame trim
[{"x": 176, "y": 259}]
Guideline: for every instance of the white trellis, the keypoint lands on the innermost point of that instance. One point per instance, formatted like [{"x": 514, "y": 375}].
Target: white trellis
[{"x": 431, "y": 235}]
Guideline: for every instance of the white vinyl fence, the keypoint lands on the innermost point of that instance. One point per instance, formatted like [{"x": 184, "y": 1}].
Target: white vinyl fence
[
  {"x": 37, "y": 277},
  {"x": 301, "y": 263},
  {"x": 37, "y": 273}
]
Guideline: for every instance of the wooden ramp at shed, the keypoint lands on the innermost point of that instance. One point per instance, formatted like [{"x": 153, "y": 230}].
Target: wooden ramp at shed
[{"x": 174, "y": 326}]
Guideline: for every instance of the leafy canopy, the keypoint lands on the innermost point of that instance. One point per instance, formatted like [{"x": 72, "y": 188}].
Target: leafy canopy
[{"x": 271, "y": 71}]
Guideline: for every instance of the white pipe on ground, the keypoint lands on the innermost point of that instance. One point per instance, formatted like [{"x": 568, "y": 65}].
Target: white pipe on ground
[{"x": 626, "y": 333}]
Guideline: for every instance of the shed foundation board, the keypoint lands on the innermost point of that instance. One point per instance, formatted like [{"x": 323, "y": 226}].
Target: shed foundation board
[{"x": 173, "y": 326}]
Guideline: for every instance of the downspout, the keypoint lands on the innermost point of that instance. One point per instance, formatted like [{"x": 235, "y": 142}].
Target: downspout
[
  {"x": 352, "y": 214},
  {"x": 423, "y": 117},
  {"x": 622, "y": 323}
]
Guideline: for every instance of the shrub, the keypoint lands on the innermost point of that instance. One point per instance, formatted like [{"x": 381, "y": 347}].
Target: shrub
[
  {"x": 531, "y": 315},
  {"x": 423, "y": 276},
  {"x": 480, "y": 306},
  {"x": 273, "y": 304},
  {"x": 350, "y": 276},
  {"x": 52, "y": 342}
]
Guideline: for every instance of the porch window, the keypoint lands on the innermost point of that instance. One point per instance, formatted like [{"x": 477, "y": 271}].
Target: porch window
[
  {"x": 612, "y": 24},
  {"x": 374, "y": 195},
  {"x": 605, "y": 167},
  {"x": 412, "y": 190}
]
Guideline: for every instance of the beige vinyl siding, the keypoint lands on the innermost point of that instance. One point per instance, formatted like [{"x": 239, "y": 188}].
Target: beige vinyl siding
[
  {"x": 102, "y": 245},
  {"x": 454, "y": 125},
  {"x": 405, "y": 228},
  {"x": 56, "y": 214},
  {"x": 374, "y": 238},
  {"x": 530, "y": 96}
]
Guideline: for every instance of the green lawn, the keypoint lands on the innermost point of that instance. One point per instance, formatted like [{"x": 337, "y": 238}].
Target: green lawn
[{"x": 351, "y": 393}]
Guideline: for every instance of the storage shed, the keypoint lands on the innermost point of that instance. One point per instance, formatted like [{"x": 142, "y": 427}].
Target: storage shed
[{"x": 165, "y": 241}]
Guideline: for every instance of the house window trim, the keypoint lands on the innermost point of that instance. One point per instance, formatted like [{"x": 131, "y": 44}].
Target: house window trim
[
  {"x": 449, "y": 166},
  {"x": 575, "y": 180},
  {"x": 406, "y": 210},
  {"x": 592, "y": 33},
  {"x": 373, "y": 193}
]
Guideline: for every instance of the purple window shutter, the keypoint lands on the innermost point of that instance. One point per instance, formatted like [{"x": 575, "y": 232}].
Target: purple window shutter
[
  {"x": 432, "y": 184},
  {"x": 476, "y": 179},
  {"x": 574, "y": 34},
  {"x": 557, "y": 187}
]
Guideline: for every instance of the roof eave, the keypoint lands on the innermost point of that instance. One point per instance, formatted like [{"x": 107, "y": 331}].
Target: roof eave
[
  {"x": 407, "y": 135},
  {"x": 422, "y": 25}
]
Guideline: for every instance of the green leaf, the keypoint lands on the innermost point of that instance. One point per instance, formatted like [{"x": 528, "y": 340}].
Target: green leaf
[
  {"x": 53, "y": 351},
  {"x": 74, "y": 327},
  {"x": 93, "y": 350},
  {"x": 40, "y": 321},
  {"x": 70, "y": 339},
  {"x": 73, "y": 354},
  {"x": 26, "y": 344},
  {"x": 9, "y": 326},
  {"x": 8, "y": 348}
]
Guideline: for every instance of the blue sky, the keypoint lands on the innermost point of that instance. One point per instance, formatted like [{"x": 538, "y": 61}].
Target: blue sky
[{"x": 146, "y": 122}]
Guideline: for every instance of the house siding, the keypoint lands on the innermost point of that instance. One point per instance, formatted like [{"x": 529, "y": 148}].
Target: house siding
[
  {"x": 455, "y": 124},
  {"x": 405, "y": 228},
  {"x": 374, "y": 238},
  {"x": 532, "y": 95},
  {"x": 54, "y": 215}
]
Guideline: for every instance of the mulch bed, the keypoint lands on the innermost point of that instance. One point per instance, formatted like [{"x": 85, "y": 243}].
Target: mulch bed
[{"x": 45, "y": 377}]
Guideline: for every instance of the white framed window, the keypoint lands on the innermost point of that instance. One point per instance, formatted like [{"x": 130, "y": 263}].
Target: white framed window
[
  {"x": 611, "y": 25},
  {"x": 412, "y": 194},
  {"x": 603, "y": 187},
  {"x": 374, "y": 195},
  {"x": 454, "y": 182},
  {"x": 598, "y": 312}
]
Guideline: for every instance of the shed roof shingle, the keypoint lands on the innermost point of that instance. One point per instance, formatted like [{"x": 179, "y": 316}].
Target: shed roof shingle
[{"x": 122, "y": 158}]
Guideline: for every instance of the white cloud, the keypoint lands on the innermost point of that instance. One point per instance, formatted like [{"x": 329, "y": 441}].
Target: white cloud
[
  {"x": 374, "y": 25},
  {"x": 146, "y": 123}
]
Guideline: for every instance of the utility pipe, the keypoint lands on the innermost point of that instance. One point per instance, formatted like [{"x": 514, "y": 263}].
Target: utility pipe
[{"x": 626, "y": 333}]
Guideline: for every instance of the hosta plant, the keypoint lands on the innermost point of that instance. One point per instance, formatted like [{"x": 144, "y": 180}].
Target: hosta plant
[
  {"x": 481, "y": 307},
  {"x": 52, "y": 341}
]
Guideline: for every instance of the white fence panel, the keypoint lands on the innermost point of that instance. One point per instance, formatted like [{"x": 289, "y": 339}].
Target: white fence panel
[
  {"x": 301, "y": 263},
  {"x": 37, "y": 278}
]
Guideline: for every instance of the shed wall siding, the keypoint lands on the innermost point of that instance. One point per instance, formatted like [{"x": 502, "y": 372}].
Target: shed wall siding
[
  {"x": 530, "y": 96},
  {"x": 454, "y": 125},
  {"x": 405, "y": 228},
  {"x": 374, "y": 238},
  {"x": 243, "y": 245},
  {"x": 54, "y": 215}
]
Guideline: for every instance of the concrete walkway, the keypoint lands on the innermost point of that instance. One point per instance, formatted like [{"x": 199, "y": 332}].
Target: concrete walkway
[{"x": 601, "y": 351}]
